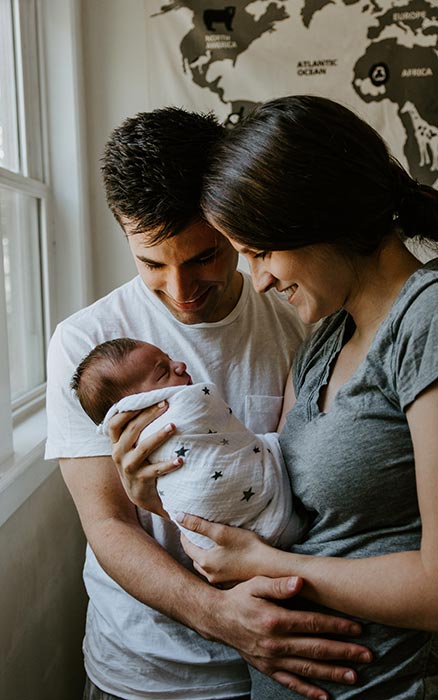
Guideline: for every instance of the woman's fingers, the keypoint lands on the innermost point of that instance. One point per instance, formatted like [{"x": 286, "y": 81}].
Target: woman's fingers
[
  {"x": 118, "y": 423},
  {"x": 215, "y": 531},
  {"x": 140, "y": 453},
  {"x": 127, "y": 425},
  {"x": 148, "y": 472},
  {"x": 131, "y": 456}
]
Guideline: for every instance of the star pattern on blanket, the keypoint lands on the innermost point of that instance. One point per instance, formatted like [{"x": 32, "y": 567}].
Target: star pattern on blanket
[
  {"x": 249, "y": 493},
  {"x": 206, "y": 390},
  {"x": 211, "y": 432},
  {"x": 217, "y": 475},
  {"x": 229, "y": 410},
  {"x": 256, "y": 449},
  {"x": 224, "y": 441},
  {"x": 182, "y": 451}
]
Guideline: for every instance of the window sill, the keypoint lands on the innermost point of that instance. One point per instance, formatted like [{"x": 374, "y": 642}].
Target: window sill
[{"x": 26, "y": 470}]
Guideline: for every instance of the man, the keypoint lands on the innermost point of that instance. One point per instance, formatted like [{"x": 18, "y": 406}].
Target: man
[{"x": 155, "y": 629}]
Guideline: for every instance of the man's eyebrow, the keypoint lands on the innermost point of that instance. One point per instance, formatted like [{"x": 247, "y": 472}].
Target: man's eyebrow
[
  {"x": 142, "y": 258},
  {"x": 204, "y": 254}
]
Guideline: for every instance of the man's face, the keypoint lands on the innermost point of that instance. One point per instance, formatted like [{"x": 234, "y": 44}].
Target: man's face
[{"x": 193, "y": 274}]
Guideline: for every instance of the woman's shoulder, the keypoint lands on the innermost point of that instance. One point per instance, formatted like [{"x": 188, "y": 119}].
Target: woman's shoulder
[
  {"x": 417, "y": 304},
  {"x": 413, "y": 336}
]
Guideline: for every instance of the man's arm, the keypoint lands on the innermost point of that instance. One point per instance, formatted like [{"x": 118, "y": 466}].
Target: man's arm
[{"x": 271, "y": 638}]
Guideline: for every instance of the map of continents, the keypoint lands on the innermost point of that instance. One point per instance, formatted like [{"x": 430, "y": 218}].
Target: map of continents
[
  {"x": 401, "y": 65},
  {"x": 365, "y": 53},
  {"x": 221, "y": 33}
]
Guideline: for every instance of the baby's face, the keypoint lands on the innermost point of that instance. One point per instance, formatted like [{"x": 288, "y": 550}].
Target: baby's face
[{"x": 149, "y": 368}]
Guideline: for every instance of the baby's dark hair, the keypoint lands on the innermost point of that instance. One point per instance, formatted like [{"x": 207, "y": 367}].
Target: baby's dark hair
[{"x": 96, "y": 383}]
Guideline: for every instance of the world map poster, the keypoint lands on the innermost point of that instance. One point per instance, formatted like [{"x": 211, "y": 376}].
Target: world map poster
[{"x": 378, "y": 57}]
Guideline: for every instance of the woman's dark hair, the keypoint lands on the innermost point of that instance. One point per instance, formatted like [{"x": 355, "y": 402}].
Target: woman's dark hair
[{"x": 302, "y": 170}]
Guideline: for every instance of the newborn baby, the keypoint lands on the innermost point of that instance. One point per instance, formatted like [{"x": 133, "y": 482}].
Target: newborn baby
[{"x": 229, "y": 475}]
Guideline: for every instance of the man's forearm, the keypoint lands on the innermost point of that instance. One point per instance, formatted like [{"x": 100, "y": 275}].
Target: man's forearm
[{"x": 150, "y": 574}]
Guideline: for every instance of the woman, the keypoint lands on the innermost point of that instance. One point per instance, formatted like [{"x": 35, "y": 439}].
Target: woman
[{"x": 309, "y": 194}]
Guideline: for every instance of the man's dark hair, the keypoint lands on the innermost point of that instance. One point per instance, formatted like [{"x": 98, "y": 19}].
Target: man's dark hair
[
  {"x": 153, "y": 166},
  {"x": 96, "y": 381}
]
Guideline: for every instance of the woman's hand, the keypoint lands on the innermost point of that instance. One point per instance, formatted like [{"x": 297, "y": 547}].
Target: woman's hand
[
  {"x": 237, "y": 555},
  {"x": 138, "y": 476}
]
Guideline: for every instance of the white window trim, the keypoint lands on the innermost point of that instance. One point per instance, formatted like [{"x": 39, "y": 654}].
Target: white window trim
[
  {"x": 67, "y": 264},
  {"x": 26, "y": 470}
]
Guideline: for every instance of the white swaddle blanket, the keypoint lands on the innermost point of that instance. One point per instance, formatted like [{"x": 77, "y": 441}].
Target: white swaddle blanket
[{"x": 230, "y": 475}]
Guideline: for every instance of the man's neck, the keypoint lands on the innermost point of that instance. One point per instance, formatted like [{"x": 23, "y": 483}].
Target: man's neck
[{"x": 232, "y": 299}]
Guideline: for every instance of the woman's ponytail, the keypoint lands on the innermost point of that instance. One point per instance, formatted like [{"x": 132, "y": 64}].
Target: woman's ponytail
[{"x": 416, "y": 208}]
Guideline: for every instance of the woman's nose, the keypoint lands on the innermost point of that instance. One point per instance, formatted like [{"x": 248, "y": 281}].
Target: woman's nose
[{"x": 262, "y": 280}]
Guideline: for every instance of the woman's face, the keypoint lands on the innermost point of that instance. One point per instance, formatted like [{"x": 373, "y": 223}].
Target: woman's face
[{"x": 317, "y": 280}]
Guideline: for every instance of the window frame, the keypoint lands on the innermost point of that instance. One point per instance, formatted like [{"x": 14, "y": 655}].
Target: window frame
[
  {"x": 30, "y": 181},
  {"x": 59, "y": 181}
]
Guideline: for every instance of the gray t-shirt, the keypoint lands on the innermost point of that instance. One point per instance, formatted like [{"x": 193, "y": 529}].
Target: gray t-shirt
[{"x": 353, "y": 469}]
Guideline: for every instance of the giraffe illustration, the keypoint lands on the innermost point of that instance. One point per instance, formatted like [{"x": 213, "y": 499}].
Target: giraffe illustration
[
  {"x": 433, "y": 145},
  {"x": 426, "y": 136}
]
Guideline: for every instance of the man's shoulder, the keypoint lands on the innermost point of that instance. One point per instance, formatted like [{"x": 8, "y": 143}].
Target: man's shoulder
[
  {"x": 114, "y": 315},
  {"x": 116, "y": 298},
  {"x": 119, "y": 304}
]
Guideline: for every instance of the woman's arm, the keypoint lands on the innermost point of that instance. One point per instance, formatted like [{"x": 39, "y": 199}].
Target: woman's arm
[{"x": 396, "y": 589}]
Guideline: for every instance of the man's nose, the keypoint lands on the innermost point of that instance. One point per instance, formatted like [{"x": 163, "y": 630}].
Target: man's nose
[
  {"x": 179, "y": 368},
  {"x": 180, "y": 285}
]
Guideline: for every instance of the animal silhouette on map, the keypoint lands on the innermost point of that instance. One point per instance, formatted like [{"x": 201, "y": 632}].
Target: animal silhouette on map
[
  {"x": 224, "y": 16},
  {"x": 426, "y": 136}
]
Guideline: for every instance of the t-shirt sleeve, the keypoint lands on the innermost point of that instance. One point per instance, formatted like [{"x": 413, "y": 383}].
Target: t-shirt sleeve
[
  {"x": 70, "y": 432},
  {"x": 416, "y": 347}
]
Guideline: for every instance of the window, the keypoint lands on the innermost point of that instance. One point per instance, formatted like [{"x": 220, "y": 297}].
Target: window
[
  {"x": 43, "y": 202},
  {"x": 23, "y": 216}
]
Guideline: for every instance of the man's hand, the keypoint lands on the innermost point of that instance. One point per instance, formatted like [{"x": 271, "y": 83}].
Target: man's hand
[
  {"x": 138, "y": 476},
  {"x": 287, "y": 645}
]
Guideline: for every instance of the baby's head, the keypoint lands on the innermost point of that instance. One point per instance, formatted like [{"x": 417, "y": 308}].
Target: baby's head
[{"x": 120, "y": 367}]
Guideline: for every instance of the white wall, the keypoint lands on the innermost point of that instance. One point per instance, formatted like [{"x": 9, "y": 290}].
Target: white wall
[
  {"x": 115, "y": 88},
  {"x": 42, "y": 601}
]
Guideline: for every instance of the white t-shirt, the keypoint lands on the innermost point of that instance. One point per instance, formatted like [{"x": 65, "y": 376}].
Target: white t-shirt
[{"x": 131, "y": 650}]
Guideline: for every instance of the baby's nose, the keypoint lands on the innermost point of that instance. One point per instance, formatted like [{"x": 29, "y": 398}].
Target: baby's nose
[{"x": 180, "y": 368}]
